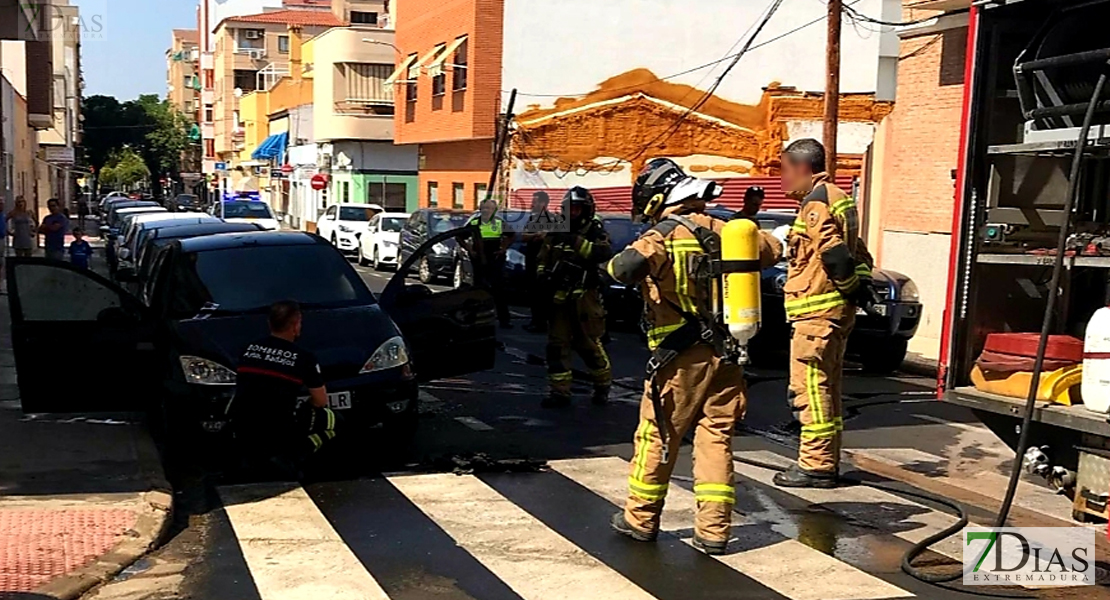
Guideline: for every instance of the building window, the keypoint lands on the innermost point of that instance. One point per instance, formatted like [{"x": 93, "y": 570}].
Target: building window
[
  {"x": 458, "y": 195},
  {"x": 479, "y": 193},
  {"x": 188, "y": 107},
  {"x": 433, "y": 194},
  {"x": 439, "y": 84},
  {"x": 366, "y": 83},
  {"x": 410, "y": 90},
  {"x": 364, "y": 18},
  {"x": 209, "y": 80},
  {"x": 392, "y": 197},
  {"x": 209, "y": 116},
  {"x": 210, "y": 148},
  {"x": 458, "y": 80},
  {"x": 346, "y": 193},
  {"x": 250, "y": 40},
  {"x": 247, "y": 81},
  {"x": 283, "y": 44}
]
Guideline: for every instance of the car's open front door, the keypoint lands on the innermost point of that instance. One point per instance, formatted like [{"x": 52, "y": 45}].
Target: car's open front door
[
  {"x": 81, "y": 343},
  {"x": 450, "y": 332}
]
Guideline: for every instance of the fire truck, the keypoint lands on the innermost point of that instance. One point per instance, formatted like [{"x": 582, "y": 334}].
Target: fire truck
[{"x": 1032, "y": 72}]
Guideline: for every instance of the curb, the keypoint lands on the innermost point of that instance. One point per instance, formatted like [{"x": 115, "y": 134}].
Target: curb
[
  {"x": 915, "y": 364},
  {"x": 155, "y": 512}
]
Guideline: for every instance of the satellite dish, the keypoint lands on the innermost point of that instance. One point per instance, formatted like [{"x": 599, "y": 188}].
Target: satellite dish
[{"x": 238, "y": 92}]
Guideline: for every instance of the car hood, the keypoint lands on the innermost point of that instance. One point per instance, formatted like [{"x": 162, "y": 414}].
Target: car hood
[{"x": 342, "y": 339}]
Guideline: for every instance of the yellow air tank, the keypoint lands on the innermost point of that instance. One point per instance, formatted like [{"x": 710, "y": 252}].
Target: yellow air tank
[{"x": 742, "y": 306}]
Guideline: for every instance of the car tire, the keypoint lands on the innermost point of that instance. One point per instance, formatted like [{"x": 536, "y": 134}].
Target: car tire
[
  {"x": 377, "y": 260},
  {"x": 361, "y": 257},
  {"x": 424, "y": 271},
  {"x": 883, "y": 357},
  {"x": 400, "y": 433},
  {"x": 458, "y": 281}
]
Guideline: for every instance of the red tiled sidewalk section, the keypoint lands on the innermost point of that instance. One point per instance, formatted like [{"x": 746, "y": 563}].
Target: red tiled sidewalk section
[{"x": 38, "y": 545}]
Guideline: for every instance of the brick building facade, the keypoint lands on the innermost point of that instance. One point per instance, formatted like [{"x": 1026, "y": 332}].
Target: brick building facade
[{"x": 913, "y": 165}]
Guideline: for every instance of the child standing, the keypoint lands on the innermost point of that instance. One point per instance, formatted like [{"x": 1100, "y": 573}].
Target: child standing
[{"x": 79, "y": 250}]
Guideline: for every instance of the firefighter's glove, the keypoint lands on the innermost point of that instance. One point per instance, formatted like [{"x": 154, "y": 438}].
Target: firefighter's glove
[{"x": 866, "y": 298}]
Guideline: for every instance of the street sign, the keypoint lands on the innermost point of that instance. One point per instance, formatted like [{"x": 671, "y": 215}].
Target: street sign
[
  {"x": 319, "y": 181},
  {"x": 59, "y": 155},
  {"x": 221, "y": 166},
  {"x": 287, "y": 168}
]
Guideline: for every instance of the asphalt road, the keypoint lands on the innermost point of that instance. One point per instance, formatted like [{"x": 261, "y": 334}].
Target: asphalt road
[{"x": 420, "y": 526}]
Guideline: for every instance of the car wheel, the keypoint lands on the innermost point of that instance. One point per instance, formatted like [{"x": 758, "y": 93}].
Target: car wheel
[
  {"x": 361, "y": 257},
  {"x": 377, "y": 261},
  {"x": 459, "y": 280},
  {"x": 425, "y": 271},
  {"x": 400, "y": 433},
  {"x": 884, "y": 357}
]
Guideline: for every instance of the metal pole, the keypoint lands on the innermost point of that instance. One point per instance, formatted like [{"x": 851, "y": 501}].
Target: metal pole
[
  {"x": 832, "y": 84},
  {"x": 502, "y": 143}
]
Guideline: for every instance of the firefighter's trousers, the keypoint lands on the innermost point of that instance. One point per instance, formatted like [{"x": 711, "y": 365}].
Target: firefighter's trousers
[
  {"x": 577, "y": 324},
  {"x": 698, "y": 390},
  {"x": 320, "y": 424},
  {"x": 816, "y": 384}
]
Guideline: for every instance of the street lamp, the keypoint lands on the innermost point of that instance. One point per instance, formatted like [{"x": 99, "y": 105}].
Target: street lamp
[{"x": 382, "y": 43}]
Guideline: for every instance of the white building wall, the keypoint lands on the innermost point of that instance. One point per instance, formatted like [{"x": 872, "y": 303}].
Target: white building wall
[
  {"x": 376, "y": 156},
  {"x": 567, "y": 47}
]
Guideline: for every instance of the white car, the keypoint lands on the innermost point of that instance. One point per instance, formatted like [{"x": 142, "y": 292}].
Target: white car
[
  {"x": 129, "y": 235},
  {"x": 342, "y": 224},
  {"x": 247, "y": 211},
  {"x": 380, "y": 243}
]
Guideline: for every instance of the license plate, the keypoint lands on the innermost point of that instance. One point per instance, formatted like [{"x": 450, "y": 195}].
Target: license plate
[
  {"x": 339, "y": 400},
  {"x": 880, "y": 309}
]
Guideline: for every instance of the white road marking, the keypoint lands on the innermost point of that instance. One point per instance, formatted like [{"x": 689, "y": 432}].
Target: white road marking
[
  {"x": 531, "y": 558},
  {"x": 474, "y": 423},
  {"x": 292, "y": 551},
  {"x": 775, "y": 566}
]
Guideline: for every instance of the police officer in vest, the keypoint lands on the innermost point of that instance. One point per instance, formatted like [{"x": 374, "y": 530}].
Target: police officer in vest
[
  {"x": 570, "y": 269},
  {"x": 828, "y": 279},
  {"x": 694, "y": 376},
  {"x": 487, "y": 257}
]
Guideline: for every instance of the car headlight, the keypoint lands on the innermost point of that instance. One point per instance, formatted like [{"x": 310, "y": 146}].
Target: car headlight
[
  {"x": 201, "y": 371},
  {"x": 780, "y": 283},
  {"x": 441, "y": 249},
  {"x": 389, "y": 355},
  {"x": 343, "y": 228},
  {"x": 389, "y": 244},
  {"x": 909, "y": 292},
  {"x": 514, "y": 257}
]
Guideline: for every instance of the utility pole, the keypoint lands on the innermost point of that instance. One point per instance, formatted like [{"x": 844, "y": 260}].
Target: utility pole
[{"x": 832, "y": 83}]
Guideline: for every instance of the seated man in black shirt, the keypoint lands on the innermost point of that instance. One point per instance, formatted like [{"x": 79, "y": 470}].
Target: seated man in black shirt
[{"x": 272, "y": 373}]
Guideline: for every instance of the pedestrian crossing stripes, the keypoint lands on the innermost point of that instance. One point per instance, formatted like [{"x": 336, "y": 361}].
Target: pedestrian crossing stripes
[{"x": 530, "y": 536}]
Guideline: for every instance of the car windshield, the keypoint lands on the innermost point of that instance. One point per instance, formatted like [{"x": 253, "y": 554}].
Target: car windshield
[
  {"x": 447, "y": 221},
  {"x": 622, "y": 232},
  {"x": 393, "y": 224},
  {"x": 355, "y": 213},
  {"x": 186, "y": 199},
  {"x": 234, "y": 280},
  {"x": 246, "y": 210}
]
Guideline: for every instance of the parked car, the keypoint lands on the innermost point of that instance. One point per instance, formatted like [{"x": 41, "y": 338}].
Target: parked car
[
  {"x": 184, "y": 203},
  {"x": 152, "y": 241},
  {"x": 186, "y": 340},
  {"x": 102, "y": 207},
  {"x": 342, "y": 224},
  {"x": 423, "y": 225},
  {"x": 380, "y": 244},
  {"x": 514, "y": 278},
  {"x": 110, "y": 225},
  {"x": 623, "y": 305},
  {"x": 247, "y": 211},
  {"x": 131, "y": 234}
]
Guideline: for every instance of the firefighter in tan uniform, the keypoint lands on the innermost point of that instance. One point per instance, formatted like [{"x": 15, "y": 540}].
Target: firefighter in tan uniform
[
  {"x": 829, "y": 277},
  {"x": 569, "y": 269},
  {"x": 694, "y": 379}
]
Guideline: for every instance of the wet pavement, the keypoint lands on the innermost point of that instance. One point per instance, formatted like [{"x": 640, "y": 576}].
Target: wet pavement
[{"x": 404, "y": 527}]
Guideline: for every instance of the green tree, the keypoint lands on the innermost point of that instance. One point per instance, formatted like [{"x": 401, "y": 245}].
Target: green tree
[{"x": 124, "y": 169}]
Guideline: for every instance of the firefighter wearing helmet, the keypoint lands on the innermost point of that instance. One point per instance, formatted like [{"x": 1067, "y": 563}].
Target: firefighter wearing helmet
[
  {"x": 569, "y": 267},
  {"x": 694, "y": 377}
]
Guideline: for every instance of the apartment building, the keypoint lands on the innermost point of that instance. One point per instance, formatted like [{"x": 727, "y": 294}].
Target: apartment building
[
  {"x": 20, "y": 142},
  {"x": 601, "y": 85},
  {"x": 183, "y": 71},
  {"x": 58, "y": 142}
]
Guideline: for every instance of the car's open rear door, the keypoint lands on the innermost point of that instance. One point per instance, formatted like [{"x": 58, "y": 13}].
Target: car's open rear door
[{"x": 450, "y": 332}]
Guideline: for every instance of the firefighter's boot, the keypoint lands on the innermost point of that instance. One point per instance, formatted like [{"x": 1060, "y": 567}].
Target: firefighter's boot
[
  {"x": 600, "y": 396},
  {"x": 710, "y": 547},
  {"x": 556, "y": 400},
  {"x": 621, "y": 526},
  {"x": 796, "y": 477}
]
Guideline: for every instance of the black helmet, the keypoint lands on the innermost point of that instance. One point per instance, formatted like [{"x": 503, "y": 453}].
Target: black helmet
[
  {"x": 580, "y": 196},
  {"x": 663, "y": 183}
]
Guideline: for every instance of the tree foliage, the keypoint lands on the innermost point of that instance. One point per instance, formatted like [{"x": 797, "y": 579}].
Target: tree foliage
[
  {"x": 147, "y": 127},
  {"x": 124, "y": 169}
]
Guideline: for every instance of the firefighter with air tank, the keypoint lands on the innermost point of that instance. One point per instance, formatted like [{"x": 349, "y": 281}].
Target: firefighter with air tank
[{"x": 700, "y": 282}]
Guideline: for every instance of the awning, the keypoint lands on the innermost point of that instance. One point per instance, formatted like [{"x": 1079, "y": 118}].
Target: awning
[
  {"x": 401, "y": 69},
  {"x": 436, "y": 66},
  {"x": 424, "y": 60},
  {"x": 272, "y": 147}
]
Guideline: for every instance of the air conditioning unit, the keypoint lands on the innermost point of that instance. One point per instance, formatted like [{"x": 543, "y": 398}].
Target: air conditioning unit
[{"x": 253, "y": 34}]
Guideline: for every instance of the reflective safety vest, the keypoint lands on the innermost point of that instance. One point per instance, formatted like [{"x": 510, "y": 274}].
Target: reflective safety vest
[{"x": 491, "y": 230}]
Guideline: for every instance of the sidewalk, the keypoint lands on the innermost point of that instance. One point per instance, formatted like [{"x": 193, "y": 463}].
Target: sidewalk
[{"x": 81, "y": 496}]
